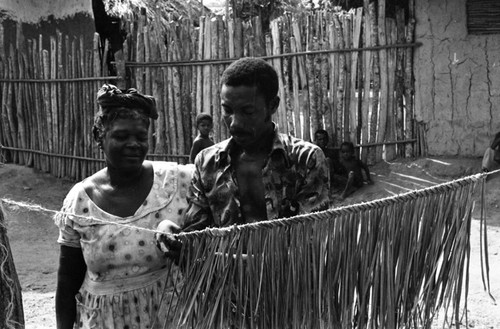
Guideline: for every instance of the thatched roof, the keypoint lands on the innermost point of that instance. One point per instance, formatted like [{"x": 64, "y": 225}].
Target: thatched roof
[{"x": 164, "y": 9}]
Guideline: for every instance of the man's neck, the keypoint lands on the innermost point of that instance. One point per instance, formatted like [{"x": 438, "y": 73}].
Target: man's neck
[{"x": 262, "y": 146}]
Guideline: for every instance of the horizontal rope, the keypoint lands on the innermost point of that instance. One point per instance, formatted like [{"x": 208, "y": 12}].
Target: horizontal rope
[
  {"x": 56, "y": 155},
  {"x": 341, "y": 210},
  {"x": 62, "y": 80},
  {"x": 275, "y": 222},
  {"x": 230, "y": 60}
]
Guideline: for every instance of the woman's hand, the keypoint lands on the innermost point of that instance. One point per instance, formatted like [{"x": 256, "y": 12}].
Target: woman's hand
[{"x": 166, "y": 242}]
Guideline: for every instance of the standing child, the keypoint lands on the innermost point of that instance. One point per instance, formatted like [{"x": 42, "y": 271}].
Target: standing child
[
  {"x": 204, "y": 124},
  {"x": 349, "y": 171}
]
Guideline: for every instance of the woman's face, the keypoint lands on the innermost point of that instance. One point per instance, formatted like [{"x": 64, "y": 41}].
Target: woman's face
[{"x": 125, "y": 144}]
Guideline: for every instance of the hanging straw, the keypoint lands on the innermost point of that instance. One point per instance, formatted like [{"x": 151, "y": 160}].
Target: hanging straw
[{"x": 389, "y": 263}]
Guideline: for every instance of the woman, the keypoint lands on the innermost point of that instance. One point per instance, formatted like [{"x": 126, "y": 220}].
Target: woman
[{"x": 111, "y": 273}]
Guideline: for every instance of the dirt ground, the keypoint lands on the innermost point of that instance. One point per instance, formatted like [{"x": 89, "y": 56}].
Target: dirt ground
[{"x": 33, "y": 235}]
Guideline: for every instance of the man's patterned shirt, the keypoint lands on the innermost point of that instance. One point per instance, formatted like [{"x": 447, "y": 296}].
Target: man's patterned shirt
[{"x": 295, "y": 177}]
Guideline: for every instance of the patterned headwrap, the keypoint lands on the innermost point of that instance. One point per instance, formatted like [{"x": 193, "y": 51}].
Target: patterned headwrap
[{"x": 109, "y": 96}]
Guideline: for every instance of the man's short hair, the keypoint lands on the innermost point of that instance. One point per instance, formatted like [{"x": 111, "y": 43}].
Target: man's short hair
[
  {"x": 203, "y": 116},
  {"x": 251, "y": 71},
  {"x": 322, "y": 132}
]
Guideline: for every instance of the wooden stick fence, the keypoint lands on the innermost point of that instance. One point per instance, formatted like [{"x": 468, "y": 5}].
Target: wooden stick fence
[{"x": 335, "y": 73}]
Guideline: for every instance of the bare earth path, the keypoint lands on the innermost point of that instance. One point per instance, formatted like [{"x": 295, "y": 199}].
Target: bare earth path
[{"x": 33, "y": 235}]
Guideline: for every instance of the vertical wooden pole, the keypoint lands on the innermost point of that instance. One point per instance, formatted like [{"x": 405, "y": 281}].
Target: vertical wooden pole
[
  {"x": 367, "y": 55},
  {"x": 408, "y": 81},
  {"x": 353, "y": 104},
  {"x": 383, "y": 113}
]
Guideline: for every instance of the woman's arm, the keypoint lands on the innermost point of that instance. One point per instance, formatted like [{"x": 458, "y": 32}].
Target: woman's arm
[{"x": 70, "y": 277}]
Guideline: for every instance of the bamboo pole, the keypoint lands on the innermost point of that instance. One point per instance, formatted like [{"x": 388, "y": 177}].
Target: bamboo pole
[
  {"x": 61, "y": 101},
  {"x": 347, "y": 35},
  {"x": 28, "y": 98},
  {"x": 200, "y": 70},
  {"x": 323, "y": 65},
  {"x": 39, "y": 108},
  {"x": 47, "y": 105},
  {"x": 21, "y": 108},
  {"x": 289, "y": 118},
  {"x": 296, "y": 92},
  {"x": 68, "y": 132},
  {"x": 176, "y": 94},
  {"x": 224, "y": 52},
  {"x": 375, "y": 97},
  {"x": 215, "y": 30},
  {"x": 355, "y": 100},
  {"x": 399, "y": 83},
  {"x": 172, "y": 119},
  {"x": 390, "y": 150},
  {"x": 277, "y": 64},
  {"x": 311, "y": 80},
  {"x": 301, "y": 63},
  {"x": 76, "y": 119},
  {"x": 384, "y": 81},
  {"x": 334, "y": 81},
  {"x": 167, "y": 107},
  {"x": 86, "y": 100},
  {"x": 408, "y": 81},
  {"x": 158, "y": 92},
  {"x": 54, "y": 106},
  {"x": 6, "y": 131},
  {"x": 95, "y": 71},
  {"x": 366, "y": 79},
  {"x": 207, "y": 72},
  {"x": 147, "y": 88},
  {"x": 238, "y": 38},
  {"x": 61, "y": 95},
  {"x": 341, "y": 78}
]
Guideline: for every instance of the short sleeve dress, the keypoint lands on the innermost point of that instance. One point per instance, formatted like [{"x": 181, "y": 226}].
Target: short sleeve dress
[{"x": 129, "y": 282}]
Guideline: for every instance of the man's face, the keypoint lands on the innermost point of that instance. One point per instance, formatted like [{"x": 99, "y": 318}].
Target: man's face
[
  {"x": 246, "y": 113},
  {"x": 320, "y": 140}
]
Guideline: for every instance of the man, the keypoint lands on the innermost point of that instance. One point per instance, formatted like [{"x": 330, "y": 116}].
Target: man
[{"x": 257, "y": 174}]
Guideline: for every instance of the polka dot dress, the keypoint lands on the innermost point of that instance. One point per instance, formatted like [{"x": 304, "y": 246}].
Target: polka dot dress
[{"x": 129, "y": 282}]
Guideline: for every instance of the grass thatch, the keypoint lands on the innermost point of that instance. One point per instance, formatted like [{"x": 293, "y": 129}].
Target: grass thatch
[{"x": 390, "y": 263}]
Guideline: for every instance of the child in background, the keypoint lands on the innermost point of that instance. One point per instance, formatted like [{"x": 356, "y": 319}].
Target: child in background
[
  {"x": 204, "y": 124},
  {"x": 349, "y": 171}
]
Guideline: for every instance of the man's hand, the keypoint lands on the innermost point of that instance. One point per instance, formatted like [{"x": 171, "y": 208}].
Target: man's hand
[{"x": 166, "y": 242}]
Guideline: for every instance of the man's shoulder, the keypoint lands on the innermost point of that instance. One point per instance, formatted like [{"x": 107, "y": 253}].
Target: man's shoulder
[
  {"x": 212, "y": 152},
  {"x": 297, "y": 143}
]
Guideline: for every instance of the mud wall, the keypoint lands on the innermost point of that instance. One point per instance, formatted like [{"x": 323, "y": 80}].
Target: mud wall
[
  {"x": 28, "y": 19},
  {"x": 457, "y": 80}
]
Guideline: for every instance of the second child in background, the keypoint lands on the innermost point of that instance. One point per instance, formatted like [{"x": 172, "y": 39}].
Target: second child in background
[
  {"x": 350, "y": 170},
  {"x": 204, "y": 124}
]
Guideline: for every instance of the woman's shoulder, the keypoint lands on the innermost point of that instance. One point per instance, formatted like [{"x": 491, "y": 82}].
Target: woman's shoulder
[{"x": 170, "y": 174}]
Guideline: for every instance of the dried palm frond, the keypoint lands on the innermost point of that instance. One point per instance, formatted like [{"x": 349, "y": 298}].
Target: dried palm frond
[{"x": 389, "y": 263}]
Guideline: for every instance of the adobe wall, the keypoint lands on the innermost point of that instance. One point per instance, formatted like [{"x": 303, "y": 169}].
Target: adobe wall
[
  {"x": 44, "y": 17},
  {"x": 457, "y": 80}
]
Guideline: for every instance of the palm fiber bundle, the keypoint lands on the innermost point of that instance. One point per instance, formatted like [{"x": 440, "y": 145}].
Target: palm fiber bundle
[
  {"x": 11, "y": 303},
  {"x": 389, "y": 263}
]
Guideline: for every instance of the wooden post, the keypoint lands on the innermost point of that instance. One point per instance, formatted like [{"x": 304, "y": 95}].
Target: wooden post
[
  {"x": 408, "y": 81},
  {"x": 367, "y": 55},
  {"x": 11, "y": 302},
  {"x": 383, "y": 113}
]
